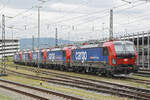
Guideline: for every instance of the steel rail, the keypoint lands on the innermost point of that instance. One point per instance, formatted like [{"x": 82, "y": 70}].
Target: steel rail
[
  {"x": 69, "y": 77},
  {"x": 94, "y": 87},
  {"x": 39, "y": 89},
  {"x": 60, "y": 75},
  {"x": 24, "y": 93}
]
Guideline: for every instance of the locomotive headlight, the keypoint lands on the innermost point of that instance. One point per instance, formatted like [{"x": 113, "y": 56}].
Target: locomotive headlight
[{"x": 113, "y": 61}]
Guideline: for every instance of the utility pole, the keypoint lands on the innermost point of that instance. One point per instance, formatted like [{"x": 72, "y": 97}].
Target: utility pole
[
  {"x": 111, "y": 25},
  {"x": 33, "y": 42},
  {"x": 56, "y": 40},
  {"x": 38, "y": 54},
  {"x": 3, "y": 72}
]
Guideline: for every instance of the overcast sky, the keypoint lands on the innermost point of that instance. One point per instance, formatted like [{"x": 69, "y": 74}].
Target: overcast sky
[{"x": 75, "y": 19}]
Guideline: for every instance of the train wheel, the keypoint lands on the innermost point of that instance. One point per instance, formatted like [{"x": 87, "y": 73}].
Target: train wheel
[
  {"x": 87, "y": 69},
  {"x": 62, "y": 68},
  {"x": 109, "y": 74}
]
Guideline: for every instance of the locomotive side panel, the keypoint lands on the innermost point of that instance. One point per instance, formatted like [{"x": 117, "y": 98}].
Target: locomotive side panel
[
  {"x": 20, "y": 57},
  {"x": 30, "y": 56},
  {"x": 89, "y": 57},
  {"x": 37, "y": 57},
  {"x": 55, "y": 58},
  {"x": 23, "y": 58},
  {"x": 34, "y": 58},
  {"x": 44, "y": 55},
  {"x": 26, "y": 57}
]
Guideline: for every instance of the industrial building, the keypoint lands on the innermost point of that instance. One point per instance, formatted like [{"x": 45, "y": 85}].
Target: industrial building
[{"x": 11, "y": 46}]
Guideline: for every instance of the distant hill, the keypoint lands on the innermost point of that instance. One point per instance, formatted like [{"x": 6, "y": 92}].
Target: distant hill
[{"x": 26, "y": 43}]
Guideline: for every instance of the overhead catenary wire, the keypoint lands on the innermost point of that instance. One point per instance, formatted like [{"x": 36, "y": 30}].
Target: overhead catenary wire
[
  {"x": 135, "y": 20},
  {"x": 126, "y": 8},
  {"x": 69, "y": 10},
  {"x": 19, "y": 14},
  {"x": 88, "y": 21},
  {"x": 23, "y": 12},
  {"x": 4, "y": 6},
  {"x": 89, "y": 15},
  {"x": 27, "y": 10},
  {"x": 94, "y": 18}
]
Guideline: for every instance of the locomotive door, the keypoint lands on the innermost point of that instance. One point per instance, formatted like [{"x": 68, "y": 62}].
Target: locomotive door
[
  {"x": 20, "y": 56},
  {"x": 67, "y": 54},
  {"x": 44, "y": 56}
]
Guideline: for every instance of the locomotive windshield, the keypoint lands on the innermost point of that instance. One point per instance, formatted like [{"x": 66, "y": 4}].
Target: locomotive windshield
[
  {"x": 129, "y": 48},
  {"x": 124, "y": 48}
]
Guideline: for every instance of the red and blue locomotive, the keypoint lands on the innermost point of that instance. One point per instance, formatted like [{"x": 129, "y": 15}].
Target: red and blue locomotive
[{"x": 109, "y": 58}]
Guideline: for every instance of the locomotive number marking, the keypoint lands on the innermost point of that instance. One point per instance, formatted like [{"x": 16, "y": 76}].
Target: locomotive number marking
[
  {"x": 51, "y": 56},
  {"x": 34, "y": 56},
  {"x": 81, "y": 56}
]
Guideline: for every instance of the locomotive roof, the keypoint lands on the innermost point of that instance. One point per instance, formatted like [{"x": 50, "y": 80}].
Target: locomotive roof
[
  {"x": 122, "y": 42},
  {"x": 25, "y": 51},
  {"x": 90, "y": 46},
  {"x": 55, "y": 49}
]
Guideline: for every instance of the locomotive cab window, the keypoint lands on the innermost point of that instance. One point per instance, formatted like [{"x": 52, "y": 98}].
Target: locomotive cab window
[
  {"x": 72, "y": 52},
  {"x": 105, "y": 51}
]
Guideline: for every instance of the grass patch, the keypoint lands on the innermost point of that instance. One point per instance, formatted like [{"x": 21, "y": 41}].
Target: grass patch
[
  {"x": 29, "y": 72},
  {"x": 2, "y": 97},
  {"x": 141, "y": 77}
]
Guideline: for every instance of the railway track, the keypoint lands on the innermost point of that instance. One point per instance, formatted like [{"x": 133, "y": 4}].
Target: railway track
[
  {"x": 123, "y": 78},
  {"x": 45, "y": 91},
  {"x": 137, "y": 80},
  {"x": 141, "y": 69},
  {"x": 93, "y": 85},
  {"x": 68, "y": 76},
  {"x": 23, "y": 93},
  {"x": 143, "y": 72}
]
